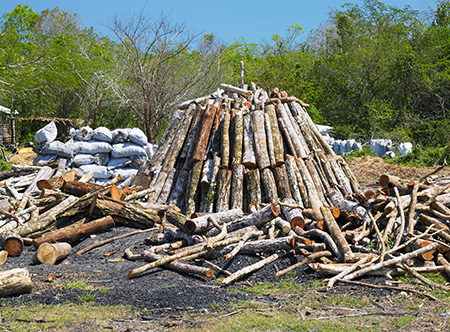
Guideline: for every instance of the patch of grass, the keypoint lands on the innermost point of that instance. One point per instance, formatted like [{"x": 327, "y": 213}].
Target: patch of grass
[
  {"x": 88, "y": 297},
  {"x": 62, "y": 317},
  {"x": 79, "y": 284},
  {"x": 346, "y": 300},
  {"x": 403, "y": 321}
]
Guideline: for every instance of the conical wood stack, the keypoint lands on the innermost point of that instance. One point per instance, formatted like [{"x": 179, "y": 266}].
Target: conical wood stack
[{"x": 241, "y": 148}]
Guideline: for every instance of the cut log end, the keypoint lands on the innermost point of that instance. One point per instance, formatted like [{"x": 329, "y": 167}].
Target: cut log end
[
  {"x": 297, "y": 222},
  {"x": 189, "y": 226}
]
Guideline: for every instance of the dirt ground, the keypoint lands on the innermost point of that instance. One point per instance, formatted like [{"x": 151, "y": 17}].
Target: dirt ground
[{"x": 167, "y": 293}]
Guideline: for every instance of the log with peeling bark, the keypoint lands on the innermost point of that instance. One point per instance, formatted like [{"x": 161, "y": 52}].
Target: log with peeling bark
[
  {"x": 78, "y": 233},
  {"x": 129, "y": 214},
  {"x": 50, "y": 253},
  {"x": 269, "y": 186},
  {"x": 223, "y": 190},
  {"x": 14, "y": 282},
  {"x": 253, "y": 187},
  {"x": 248, "y": 153}
]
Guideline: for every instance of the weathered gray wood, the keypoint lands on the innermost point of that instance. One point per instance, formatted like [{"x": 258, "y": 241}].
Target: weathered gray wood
[
  {"x": 269, "y": 186},
  {"x": 262, "y": 155},
  {"x": 237, "y": 187},
  {"x": 223, "y": 191}
]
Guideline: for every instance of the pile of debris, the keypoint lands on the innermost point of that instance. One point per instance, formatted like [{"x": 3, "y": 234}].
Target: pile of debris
[
  {"x": 103, "y": 152},
  {"x": 241, "y": 171}
]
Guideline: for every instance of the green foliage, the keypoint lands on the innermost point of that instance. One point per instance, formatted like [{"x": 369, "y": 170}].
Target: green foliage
[{"x": 419, "y": 157}]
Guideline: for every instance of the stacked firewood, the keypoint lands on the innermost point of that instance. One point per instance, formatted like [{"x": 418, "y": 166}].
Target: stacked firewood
[{"x": 238, "y": 172}]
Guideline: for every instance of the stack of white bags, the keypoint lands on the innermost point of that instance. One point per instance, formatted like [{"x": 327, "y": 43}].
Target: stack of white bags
[{"x": 107, "y": 153}]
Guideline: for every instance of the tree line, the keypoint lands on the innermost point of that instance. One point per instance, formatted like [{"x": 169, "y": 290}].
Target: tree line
[{"x": 370, "y": 71}]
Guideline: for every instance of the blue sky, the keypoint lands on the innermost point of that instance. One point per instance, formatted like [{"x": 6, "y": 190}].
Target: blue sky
[{"x": 229, "y": 20}]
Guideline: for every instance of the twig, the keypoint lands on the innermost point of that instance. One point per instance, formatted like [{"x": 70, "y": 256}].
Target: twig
[
  {"x": 98, "y": 244},
  {"x": 350, "y": 269},
  {"x": 424, "y": 279},
  {"x": 389, "y": 288},
  {"x": 303, "y": 262}
]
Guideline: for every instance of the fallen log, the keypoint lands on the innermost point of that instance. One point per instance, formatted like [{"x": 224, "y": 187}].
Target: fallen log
[{"x": 78, "y": 233}]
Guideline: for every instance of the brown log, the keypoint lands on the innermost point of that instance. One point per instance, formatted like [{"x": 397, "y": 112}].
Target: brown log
[
  {"x": 282, "y": 182},
  {"x": 223, "y": 190},
  {"x": 269, "y": 186},
  {"x": 262, "y": 155},
  {"x": 237, "y": 187},
  {"x": 78, "y": 233},
  {"x": 248, "y": 154},
  {"x": 78, "y": 188},
  {"x": 50, "y": 253},
  {"x": 12, "y": 243},
  {"x": 253, "y": 188},
  {"x": 176, "y": 218},
  {"x": 14, "y": 282},
  {"x": 277, "y": 142},
  {"x": 201, "y": 143},
  {"x": 390, "y": 181},
  {"x": 202, "y": 224}
]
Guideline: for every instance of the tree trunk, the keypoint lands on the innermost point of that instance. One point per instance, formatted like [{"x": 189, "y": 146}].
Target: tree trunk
[{"x": 226, "y": 140}]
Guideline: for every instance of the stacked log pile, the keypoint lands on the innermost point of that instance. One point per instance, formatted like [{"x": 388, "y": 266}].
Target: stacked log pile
[{"x": 239, "y": 172}]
